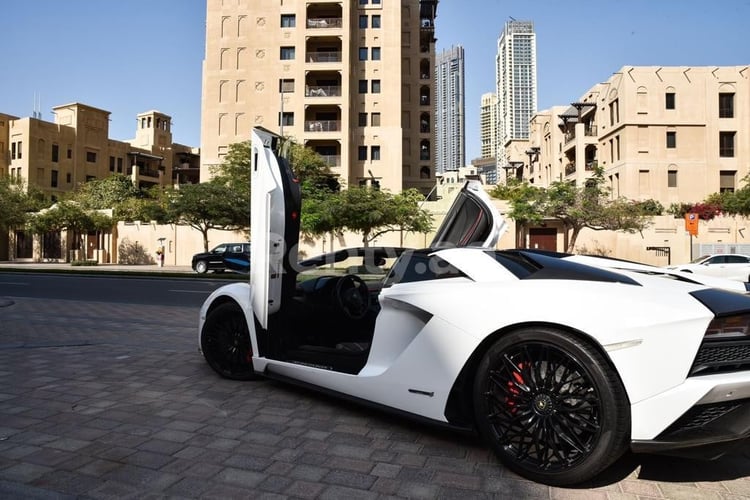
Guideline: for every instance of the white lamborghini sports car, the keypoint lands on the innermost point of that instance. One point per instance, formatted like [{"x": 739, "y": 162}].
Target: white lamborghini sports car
[{"x": 559, "y": 365}]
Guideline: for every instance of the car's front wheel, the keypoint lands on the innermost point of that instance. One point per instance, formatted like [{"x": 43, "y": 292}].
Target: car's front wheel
[
  {"x": 225, "y": 342},
  {"x": 551, "y": 406},
  {"x": 201, "y": 267}
]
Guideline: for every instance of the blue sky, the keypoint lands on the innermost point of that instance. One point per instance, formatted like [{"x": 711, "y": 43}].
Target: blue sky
[{"x": 131, "y": 56}]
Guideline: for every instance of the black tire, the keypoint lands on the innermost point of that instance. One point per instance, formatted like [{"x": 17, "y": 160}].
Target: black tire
[
  {"x": 225, "y": 342},
  {"x": 201, "y": 267},
  {"x": 550, "y": 406}
]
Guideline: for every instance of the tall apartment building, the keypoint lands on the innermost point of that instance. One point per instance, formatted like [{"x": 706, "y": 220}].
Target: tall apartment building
[
  {"x": 515, "y": 81},
  {"x": 450, "y": 130},
  {"x": 674, "y": 134},
  {"x": 487, "y": 163},
  {"x": 488, "y": 126},
  {"x": 351, "y": 80}
]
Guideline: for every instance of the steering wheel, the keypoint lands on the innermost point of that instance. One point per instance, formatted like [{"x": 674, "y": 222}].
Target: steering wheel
[{"x": 352, "y": 296}]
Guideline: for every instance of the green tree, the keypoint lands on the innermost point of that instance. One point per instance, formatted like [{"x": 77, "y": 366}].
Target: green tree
[
  {"x": 589, "y": 206},
  {"x": 106, "y": 193},
  {"x": 68, "y": 215},
  {"x": 234, "y": 170},
  {"x": 206, "y": 206},
  {"x": 118, "y": 193},
  {"x": 371, "y": 212},
  {"x": 16, "y": 203}
]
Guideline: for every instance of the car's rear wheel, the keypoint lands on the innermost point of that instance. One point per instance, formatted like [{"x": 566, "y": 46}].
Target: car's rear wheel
[
  {"x": 551, "y": 406},
  {"x": 201, "y": 267},
  {"x": 225, "y": 342}
]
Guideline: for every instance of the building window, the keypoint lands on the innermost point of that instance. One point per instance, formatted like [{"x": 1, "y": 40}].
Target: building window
[
  {"x": 53, "y": 179},
  {"x": 375, "y": 119},
  {"x": 70, "y": 153},
  {"x": 672, "y": 178},
  {"x": 726, "y": 105},
  {"x": 55, "y": 153},
  {"x": 119, "y": 165},
  {"x": 91, "y": 156},
  {"x": 376, "y": 21},
  {"x": 363, "y": 2},
  {"x": 20, "y": 149},
  {"x": 363, "y": 119},
  {"x": 288, "y": 21},
  {"x": 287, "y": 119},
  {"x": 12, "y": 150},
  {"x": 669, "y": 100},
  {"x": 287, "y": 53},
  {"x": 362, "y": 153},
  {"x": 376, "y": 53},
  {"x": 375, "y": 153},
  {"x": 68, "y": 178},
  {"x": 375, "y": 86},
  {"x": 726, "y": 144},
  {"x": 671, "y": 140},
  {"x": 363, "y": 86},
  {"x": 363, "y": 53},
  {"x": 286, "y": 85},
  {"x": 111, "y": 163},
  {"x": 726, "y": 181},
  {"x": 375, "y": 2},
  {"x": 614, "y": 112},
  {"x": 363, "y": 22}
]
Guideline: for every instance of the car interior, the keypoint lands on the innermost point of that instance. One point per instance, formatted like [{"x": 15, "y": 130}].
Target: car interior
[{"x": 330, "y": 321}]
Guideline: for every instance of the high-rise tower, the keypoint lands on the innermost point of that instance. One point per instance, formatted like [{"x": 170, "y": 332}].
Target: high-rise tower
[
  {"x": 450, "y": 134},
  {"x": 516, "y": 83}
]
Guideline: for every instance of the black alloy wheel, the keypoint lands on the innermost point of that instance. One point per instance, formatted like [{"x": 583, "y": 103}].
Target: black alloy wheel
[
  {"x": 551, "y": 406},
  {"x": 225, "y": 342}
]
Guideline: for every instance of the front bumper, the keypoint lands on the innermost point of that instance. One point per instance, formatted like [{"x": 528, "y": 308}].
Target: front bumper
[{"x": 705, "y": 431}]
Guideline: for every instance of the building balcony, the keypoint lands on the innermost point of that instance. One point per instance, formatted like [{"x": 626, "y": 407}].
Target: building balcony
[
  {"x": 324, "y": 57},
  {"x": 323, "y": 125},
  {"x": 591, "y": 166},
  {"x": 332, "y": 160},
  {"x": 322, "y": 91},
  {"x": 570, "y": 135},
  {"x": 324, "y": 23},
  {"x": 570, "y": 169}
]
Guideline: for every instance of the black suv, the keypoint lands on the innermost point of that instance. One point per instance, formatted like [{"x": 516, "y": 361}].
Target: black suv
[{"x": 227, "y": 256}]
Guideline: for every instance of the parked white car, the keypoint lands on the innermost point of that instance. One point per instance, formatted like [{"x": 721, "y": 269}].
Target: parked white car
[
  {"x": 731, "y": 266},
  {"x": 559, "y": 365}
]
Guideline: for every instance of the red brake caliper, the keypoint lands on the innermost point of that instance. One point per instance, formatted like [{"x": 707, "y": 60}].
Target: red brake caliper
[{"x": 514, "y": 390}]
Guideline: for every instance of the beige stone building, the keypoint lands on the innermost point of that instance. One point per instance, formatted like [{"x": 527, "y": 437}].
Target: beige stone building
[
  {"x": 673, "y": 134},
  {"x": 55, "y": 157},
  {"x": 668, "y": 133},
  {"x": 351, "y": 80}
]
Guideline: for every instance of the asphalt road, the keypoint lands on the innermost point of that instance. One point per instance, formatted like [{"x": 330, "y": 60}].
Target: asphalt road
[
  {"x": 104, "y": 395},
  {"x": 121, "y": 289}
]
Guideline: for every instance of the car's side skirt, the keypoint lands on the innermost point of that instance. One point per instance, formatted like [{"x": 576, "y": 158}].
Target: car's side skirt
[{"x": 369, "y": 404}]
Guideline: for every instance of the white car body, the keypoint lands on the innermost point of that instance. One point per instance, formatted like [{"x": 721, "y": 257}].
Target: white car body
[
  {"x": 729, "y": 266},
  {"x": 448, "y": 316}
]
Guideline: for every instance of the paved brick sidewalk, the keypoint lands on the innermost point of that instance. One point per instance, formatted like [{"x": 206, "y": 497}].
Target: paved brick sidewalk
[{"x": 114, "y": 401}]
